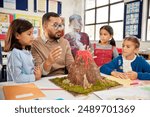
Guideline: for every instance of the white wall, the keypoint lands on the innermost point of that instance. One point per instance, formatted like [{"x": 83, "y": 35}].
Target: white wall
[{"x": 69, "y": 7}]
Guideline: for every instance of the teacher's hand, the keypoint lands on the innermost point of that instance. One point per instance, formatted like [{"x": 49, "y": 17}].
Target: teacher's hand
[{"x": 54, "y": 55}]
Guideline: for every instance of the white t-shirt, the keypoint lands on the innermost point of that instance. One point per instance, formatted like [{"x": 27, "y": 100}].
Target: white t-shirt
[{"x": 127, "y": 64}]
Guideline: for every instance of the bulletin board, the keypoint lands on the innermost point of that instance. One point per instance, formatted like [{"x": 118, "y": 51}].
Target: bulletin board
[
  {"x": 133, "y": 18},
  {"x": 14, "y": 4},
  {"x": 43, "y": 6},
  {"x": 55, "y": 6},
  {"x": 35, "y": 20},
  {"x": 5, "y": 20},
  {"x": 40, "y": 6}
]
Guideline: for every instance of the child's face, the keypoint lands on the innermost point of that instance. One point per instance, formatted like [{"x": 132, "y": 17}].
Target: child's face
[
  {"x": 105, "y": 36},
  {"x": 26, "y": 38},
  {"x": 128, "y": 49}
]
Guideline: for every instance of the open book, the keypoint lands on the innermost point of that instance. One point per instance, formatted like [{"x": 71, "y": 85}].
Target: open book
[{"x": 22, "y": 92}]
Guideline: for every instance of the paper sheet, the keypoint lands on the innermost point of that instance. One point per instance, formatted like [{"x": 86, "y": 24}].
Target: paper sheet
[
  {"x": 124, "y": 82},
  {"x": 129, "y": 93}
]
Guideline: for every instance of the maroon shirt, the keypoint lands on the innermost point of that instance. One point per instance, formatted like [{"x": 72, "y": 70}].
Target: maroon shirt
[{"x": 74, "y": 47}]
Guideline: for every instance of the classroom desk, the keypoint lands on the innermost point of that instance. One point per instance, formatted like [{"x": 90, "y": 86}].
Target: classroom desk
[{"x": 54, "y": 91}]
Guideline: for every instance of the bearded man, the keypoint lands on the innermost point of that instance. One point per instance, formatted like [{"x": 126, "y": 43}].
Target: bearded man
[{"x": 51, "y": 51}]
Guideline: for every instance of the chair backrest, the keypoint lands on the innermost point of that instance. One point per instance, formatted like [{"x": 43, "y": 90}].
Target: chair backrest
[
  {"x": 119, "y": 50},
  {"x": 3, "y": 73},
  {"x": 0, "y": 54},
  {"x": 0, "y": 62}
]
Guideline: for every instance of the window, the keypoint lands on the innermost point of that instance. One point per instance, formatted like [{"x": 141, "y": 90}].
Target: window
[
  {"x": 104, "y": 12},
  {"x": 148, "y": 30},
  {"x": 113, "y": 1},
  {"x": 90, "y": 31},
  {"x": 102, "y": 2},
  {"x": 118, "y": 30},
  {"x": 115, "y": 8},
  {"x": 90, "y": 17},
  {"x": 90, "y": 4},
  {"x": 148, "y": 23},
  {"x": 102, "y": 15}
]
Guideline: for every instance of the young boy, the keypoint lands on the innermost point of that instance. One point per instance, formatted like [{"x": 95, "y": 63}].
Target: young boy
[{"x": 129, "y": 64}]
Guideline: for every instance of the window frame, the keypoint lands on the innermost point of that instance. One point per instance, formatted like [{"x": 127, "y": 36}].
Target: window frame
[
  {"x": 101, "y": 23},
  {"x": 148, "y": 18}
]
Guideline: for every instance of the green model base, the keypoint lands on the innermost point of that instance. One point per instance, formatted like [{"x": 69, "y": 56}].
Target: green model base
[{"x": 76, "y": 89}]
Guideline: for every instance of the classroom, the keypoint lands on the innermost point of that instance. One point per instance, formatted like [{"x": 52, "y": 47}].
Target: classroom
[{"x": 83, "y": 42}]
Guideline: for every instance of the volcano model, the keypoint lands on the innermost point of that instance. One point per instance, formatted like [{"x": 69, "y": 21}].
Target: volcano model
[
  {"x": 84, "y": 71},
  {"x": 84, "y": 76}
]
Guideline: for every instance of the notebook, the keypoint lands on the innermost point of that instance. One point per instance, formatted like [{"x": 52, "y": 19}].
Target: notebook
[{"x": 22, "y": 92}]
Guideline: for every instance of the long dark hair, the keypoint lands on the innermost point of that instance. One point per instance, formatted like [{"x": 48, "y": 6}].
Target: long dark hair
[
  {"x": 17, "y": 26},
  {"x": 109, "y": 29}
]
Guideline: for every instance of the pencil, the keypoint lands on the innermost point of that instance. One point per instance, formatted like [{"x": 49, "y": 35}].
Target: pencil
[
  {"x": 50, "y": 89},
  {"x": 134, "y": 83}
]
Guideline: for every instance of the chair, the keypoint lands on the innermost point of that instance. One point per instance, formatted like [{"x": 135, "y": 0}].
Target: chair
[
  {"x": 119, "y": 51},
  {"x": 3, "y": 73},
  {"x": 0, "y": 62}
]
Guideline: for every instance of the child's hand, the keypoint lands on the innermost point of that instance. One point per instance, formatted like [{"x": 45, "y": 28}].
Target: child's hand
[
  {"x": 37, "y": 72},
  {"x": 119, "y": 75},
  {"x": 132, "y": 75},
  {"x": 88, "y": 48}
]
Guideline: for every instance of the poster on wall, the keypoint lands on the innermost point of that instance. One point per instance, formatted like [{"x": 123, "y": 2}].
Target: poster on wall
[
  {"x": 5, "y": 20},
  {"x": 41, "y": 6},
  {"x": 52, "y": 6},
  {"x": 35, "y": 20},
  {"x": 10, "y": 4},
  {"x": 133, "y": 18},
  {"x": 14, "y": 4},
  {"x": 48, "y": 6}
]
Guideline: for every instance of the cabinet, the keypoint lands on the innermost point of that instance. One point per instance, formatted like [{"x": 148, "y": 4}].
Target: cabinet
[{"x": 146, "y": 55}]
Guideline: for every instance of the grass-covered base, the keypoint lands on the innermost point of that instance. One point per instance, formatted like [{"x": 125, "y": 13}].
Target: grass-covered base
[{"x": 76, "y": 89}]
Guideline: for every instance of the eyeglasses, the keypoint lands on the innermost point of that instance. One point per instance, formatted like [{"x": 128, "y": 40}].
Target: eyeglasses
[{"x": 58, "y": 26}]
